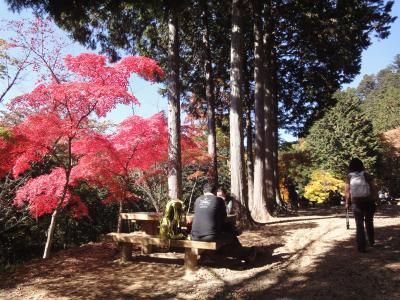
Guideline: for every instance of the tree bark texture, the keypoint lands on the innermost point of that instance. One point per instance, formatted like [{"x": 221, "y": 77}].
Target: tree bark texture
[
  {"x": 276, "y": 196},
  {"x": 235, "y": 116},
  {"x": 258, "y": 207},
  {"x": 269, "y": 178},
  {"x": 120, "y": 210},
  {"x": 210, "y": 97},
  {"x": 174, "y": 121},
  {"x": 50, "y": 233},
  {"x": 249, "y": 135},
  {"x": 275, "y": 135}
]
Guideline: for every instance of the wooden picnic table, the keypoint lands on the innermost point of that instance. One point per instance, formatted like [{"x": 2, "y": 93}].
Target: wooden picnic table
[
  {"x": 149, "y": 237},
  {"x": 149, "y": 221}
]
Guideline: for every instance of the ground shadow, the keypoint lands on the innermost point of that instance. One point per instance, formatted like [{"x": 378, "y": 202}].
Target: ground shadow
[
  {"x": 317, "y": 210},
  {"x": 103, "y": 277},
  {"x": 372, "y": 275},
  {"x": 93, "y": 271},
  {"x": 264, "y": 257}
]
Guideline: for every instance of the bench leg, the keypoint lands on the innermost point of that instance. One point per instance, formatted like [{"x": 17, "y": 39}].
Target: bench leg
[
  {"x": 126, "y": 252},
  {"x": 191, "y": 261},
  {"x": 146, "y": 248}
]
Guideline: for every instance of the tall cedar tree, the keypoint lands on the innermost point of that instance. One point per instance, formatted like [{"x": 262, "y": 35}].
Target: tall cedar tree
[
  {"x": 257, "y": 204},
  {"x": 238, "y": 188},
  {"x": 318, "y": 47}
]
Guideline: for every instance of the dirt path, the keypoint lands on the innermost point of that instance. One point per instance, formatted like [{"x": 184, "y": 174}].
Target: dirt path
[{"x": 309, "y": 256}]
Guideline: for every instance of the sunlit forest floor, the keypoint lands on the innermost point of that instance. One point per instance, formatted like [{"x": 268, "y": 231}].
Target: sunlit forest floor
[{"x": 307, "y": 255}]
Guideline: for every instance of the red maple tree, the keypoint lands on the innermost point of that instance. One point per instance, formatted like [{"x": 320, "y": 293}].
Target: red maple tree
[
  {"x": 110, "y": 160},
  {"x": 63, "y": 110}
]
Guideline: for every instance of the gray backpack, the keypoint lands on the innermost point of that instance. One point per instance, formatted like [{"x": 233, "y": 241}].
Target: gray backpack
[{"x": 359, "y": 187}]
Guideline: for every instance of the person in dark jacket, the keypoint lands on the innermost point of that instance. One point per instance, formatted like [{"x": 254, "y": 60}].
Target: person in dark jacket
[{"x": 208, "y": 225}]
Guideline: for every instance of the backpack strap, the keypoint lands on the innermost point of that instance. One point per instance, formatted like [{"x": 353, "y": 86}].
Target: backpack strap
[{"x": 368, "y": 178}]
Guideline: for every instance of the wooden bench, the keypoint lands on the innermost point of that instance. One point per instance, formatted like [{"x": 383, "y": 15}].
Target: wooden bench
[{"x": 192, "y": 248}]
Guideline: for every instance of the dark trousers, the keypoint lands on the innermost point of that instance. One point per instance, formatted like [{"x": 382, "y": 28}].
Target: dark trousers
[
  {"x": 233, "y": 247},
  {"x": 364, "y": 213}
]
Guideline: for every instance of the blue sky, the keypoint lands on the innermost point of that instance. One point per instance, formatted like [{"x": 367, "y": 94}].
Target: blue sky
[{"x": 376, "y": 57}]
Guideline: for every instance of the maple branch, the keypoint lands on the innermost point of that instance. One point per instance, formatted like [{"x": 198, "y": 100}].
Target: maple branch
[
  {"x": 21, "y": 67},
  {"x": 68, "y": 110},
  {"x": 130, "y": 157},
  {"x": 14, "y": 225},
  {"x": 67, "y": 175},
  {"x": 48, "y": 66},
  {"x": 8, "y": 183},
  {"x": 5, "y": 185},
  {"x": 87, "y": 114},
  {"x": 22, "y": 181},
  {"x": 147, "y": 190}
]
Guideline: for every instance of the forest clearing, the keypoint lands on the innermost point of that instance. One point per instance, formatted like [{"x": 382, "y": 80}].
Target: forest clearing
[
  {"x": 308, "y": 256},
  {"x": 136, "y": 136}
]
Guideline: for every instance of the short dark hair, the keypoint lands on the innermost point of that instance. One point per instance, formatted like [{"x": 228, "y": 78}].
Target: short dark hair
[
  {"x": 222, "y": 189},
  {"x": 356, "y": 165},
  {"x": 208, "y": 188}
]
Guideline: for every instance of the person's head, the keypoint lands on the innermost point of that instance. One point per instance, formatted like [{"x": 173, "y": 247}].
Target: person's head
[
  {"x": 208, "y": 188},
  {"x": 221, "y": 192},
  {"x": 356, "y": 165}
]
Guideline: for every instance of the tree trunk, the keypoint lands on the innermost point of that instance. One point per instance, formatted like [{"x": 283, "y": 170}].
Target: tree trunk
[
  {"x": 250, "y": 156},
  {"x": 235, "y": 117},
  {"x": 210, "y": 97},
  {"x": 52, "y": 226},
  {"x": 120, "y": 210},
  {"x": 258, "y": 209},
  {"x": 275, "y": 135},
  {"x": 274, "y": 111},
  {"x": 50, "y": 232},
  {"x": 249, "y": 101},
  {"x": 174, "y": 134},
  {"x": 269, "y": 178},
  {"x": 269, "y": 156}
]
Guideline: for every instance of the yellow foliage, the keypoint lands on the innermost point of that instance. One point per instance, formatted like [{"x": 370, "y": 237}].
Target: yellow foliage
[
  {"x": 321, "y": 184},
  {"x": 284, "y": 191},
  {"x": 301, "y": 144}
]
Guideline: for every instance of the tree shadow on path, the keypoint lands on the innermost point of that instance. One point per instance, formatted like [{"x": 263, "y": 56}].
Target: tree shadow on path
[
  {"x": 340, "y": 273},
  {"x": 92, "y": 271}
]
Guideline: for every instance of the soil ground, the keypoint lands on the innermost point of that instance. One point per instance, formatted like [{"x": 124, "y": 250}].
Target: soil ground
[{"x": 308, "y": 255}]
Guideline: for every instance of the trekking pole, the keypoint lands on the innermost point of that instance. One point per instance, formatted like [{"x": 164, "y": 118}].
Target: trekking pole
[{"x": 347, "y": 219}]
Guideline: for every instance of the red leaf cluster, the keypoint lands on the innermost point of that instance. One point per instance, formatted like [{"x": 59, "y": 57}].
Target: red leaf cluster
[
  {"x": 97, "y": 87},
  {"x": 107, "y": 160},
  {"x": 43, "y": 193}
]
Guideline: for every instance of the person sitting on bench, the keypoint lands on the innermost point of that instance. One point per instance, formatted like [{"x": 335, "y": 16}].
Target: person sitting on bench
[{"x": 208, "y": 225}]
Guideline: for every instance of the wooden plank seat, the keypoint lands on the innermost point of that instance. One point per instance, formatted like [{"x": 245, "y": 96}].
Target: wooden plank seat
[{"x": 192, "y": 248}]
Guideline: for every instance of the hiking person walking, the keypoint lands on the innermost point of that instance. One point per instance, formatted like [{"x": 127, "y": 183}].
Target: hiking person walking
[{"x": 360, "y": 192}]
